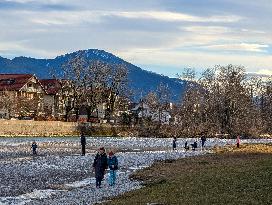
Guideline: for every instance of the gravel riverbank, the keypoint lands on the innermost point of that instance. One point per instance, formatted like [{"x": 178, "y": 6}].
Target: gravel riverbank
[{"x": 59, "y": 175}]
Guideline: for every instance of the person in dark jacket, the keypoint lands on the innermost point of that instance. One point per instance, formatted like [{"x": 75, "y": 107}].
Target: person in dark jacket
[
  {"x": 100, "y": 164},
  {"x": 203, "y": 140},
  {"x": 194, "y": 145},
  {"x": 83, "y": 144},
  {"x": 174, "y": 143},
  {"x": 186, "y": 147},
  {"x": 34, "y": 147},
  {"x": 113, "y": 165}
]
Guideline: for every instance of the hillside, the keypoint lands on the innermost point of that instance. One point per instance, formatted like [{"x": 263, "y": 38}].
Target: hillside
[{"x": 141, "y": 81}]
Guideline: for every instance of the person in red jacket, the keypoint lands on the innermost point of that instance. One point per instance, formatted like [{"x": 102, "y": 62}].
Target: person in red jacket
[{"x": 238, "y": 141}]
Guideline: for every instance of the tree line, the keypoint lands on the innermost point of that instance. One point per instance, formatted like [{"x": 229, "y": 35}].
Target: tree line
[
  {"x": 223, "y": 100},
  {"x": 226, "y": 100}
]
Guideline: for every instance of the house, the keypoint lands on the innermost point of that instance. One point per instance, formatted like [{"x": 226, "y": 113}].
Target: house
[
  {"x": 21, "y": 95},
  {"x": 53, "y": 97},
  {"x": 142, "y": 110},
  {"x": 97, "y": 115},
  {"x": 162, "y": 116}
]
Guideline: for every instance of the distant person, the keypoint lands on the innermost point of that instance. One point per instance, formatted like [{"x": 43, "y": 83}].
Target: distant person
[
  {"x": 186, "y": 147},
  {"x": 113, "y": 166},
  {"x": 100, "y": 164},
  {"x": 238, "y": 141},
  {"x": 83, "y": 144},
  {"x": 203, "y": 140},
  {"x": 174, "y": 144},
  {"x": 34, "y": 147},
  {"x": 194, "y": 145}
]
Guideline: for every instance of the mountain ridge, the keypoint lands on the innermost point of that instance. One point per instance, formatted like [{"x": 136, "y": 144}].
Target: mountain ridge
[{"x": 140, "y": 80}]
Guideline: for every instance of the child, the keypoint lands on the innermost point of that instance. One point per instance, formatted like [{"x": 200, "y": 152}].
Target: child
[
  {"x": 34, "y": 147},
  {"x": 113, "y": 165}
]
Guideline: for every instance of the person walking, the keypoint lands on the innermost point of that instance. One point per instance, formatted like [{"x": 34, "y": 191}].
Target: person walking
[
  {"x": 174, "y": 144},
  {"x": 113, "y": 165},
  {"x": 203, "y": 140},
  {"x": 100, "y": 164},
  {"x": 83, "y": 144},
  {"x": 238, "y": 141},
  {"x": 186, "y": 147},
  {"x": 34, "y": 147}
]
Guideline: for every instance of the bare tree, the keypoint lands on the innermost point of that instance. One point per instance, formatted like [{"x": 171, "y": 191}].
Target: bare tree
[
  {"x": 220, "y": 102},
  {"x": 7, "y": 103},
  {"x": 27, "y": 107},
  {"x": 118, "y": 86},
  {"x": 265, "y": 105},
  {"x": 88, "y": 84},
  {"x": 151, "y": 99}
]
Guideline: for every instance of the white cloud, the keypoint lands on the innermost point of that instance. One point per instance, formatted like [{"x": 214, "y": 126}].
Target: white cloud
[
  {"x": 10, "y": 46},
  {"x": 174, "y": 16},
  {"x": 195, "y": 59},
  {"x": 72, "y": 17},
  {"x": 208, "y": 30},
  {"x": 20, "y": 1},
  {"x": 18, "y": 48},
  {"x": 251, "y": 47},
  {"x": 64, "y": 17},
  {"x": 265, "y": 71},
  {"x": 143, "y": 32},
  {"x": 38, "y": 1}
]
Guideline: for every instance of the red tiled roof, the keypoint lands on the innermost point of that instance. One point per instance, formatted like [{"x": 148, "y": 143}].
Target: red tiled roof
[
  {"x": 51, "y": 86},
  {"x": 13, "y": 81}
]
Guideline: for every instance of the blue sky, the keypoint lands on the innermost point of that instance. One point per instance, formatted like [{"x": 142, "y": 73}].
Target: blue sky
[{"x": 163, "y": 36}]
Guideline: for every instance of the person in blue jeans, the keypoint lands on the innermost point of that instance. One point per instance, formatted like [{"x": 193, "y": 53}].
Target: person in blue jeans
[{"x": 113, "y": 166}]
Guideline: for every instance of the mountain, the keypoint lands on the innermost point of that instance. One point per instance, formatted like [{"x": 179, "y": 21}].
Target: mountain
[{"x": 141, "y": 81}]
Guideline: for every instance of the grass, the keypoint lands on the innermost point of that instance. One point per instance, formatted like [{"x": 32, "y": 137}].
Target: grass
[{"x": 231, "y": 176}]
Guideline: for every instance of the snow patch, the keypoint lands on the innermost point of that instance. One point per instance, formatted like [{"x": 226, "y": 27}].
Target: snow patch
[
  {"x": 83, "y": 183},
  {"x": 26, "y": 198}
]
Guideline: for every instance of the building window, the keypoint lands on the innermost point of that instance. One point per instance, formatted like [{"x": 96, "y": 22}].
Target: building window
[{"x": 7, "y": 81}]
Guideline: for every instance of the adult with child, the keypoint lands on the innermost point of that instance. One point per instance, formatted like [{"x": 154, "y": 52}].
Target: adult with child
[
  {"x": 113, "y": 166},
  {"x": 100, "y": 164}
]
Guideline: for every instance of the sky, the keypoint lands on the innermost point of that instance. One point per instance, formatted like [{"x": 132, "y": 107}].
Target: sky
[{"x": 162, "y": 36}]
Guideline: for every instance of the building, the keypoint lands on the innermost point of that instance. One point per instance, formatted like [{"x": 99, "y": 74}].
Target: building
[
  {"x": 25, "y": 96},
  {"x": 53, "y": 98},
  {"x": 142, "y": 111},
  {"x": 21, "y": 96}
]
